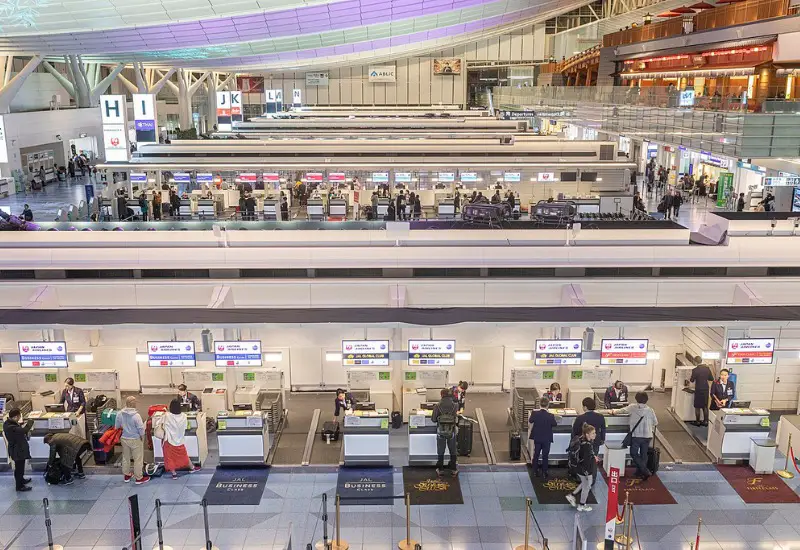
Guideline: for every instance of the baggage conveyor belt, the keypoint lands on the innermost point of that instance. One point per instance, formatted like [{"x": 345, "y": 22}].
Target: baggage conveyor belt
[{"x": 293, "y": 439}]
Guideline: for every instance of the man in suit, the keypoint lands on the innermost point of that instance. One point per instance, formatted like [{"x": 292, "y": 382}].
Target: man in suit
[
  {"x": 18, "y": 448},
  {"x": 594, "y": 419},
  {"x": 72, "y": 398},
  {"x": 542, "y": 424}
]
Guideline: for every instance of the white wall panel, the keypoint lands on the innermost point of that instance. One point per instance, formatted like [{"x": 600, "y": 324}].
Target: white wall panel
[
  {"x": 413, "y": 82},
  {"x": 516, "y": 47},
  {"x": 356, "y": 88},
  {"x": 346, "y": 92},
  {"x": 505, "y": 47},
  {"x": 425, "y": 71},
  {"x": 493, "y": 48},
  {"x": 367, "y": 86},
  {"x": 403, "y": 83},
  {"x": 481, "y": 51}
]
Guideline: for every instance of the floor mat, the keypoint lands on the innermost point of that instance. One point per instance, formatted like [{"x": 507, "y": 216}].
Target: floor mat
[
  {"x": 366, "y": 486},
  {"x": 242, "y": 486},
  {"x": 425, "y": 487},
  {"x": 652, "y": 491},
  {"x": 758, "y": 488},
  {"x": 555, "y": 489}
]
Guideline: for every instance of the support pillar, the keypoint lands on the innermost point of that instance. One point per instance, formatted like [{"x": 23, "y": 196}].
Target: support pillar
[{"x": 9, "y": 91}]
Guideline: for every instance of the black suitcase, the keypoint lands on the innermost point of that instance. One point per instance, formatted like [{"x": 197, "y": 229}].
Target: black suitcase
[
  {"x": 330, "y": 431},
  {"x": 515, "y": 445},
  {"x": 653, "y": 459},
  {"x": 464, "y": 437},
  {"x": 397, "y": 420},
  {"x": 53, "y": 474}
]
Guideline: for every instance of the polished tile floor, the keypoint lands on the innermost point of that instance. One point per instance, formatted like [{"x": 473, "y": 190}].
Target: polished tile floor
[
  {"x": 93, "y": 514},
  {"x": 46, "y": 203}
]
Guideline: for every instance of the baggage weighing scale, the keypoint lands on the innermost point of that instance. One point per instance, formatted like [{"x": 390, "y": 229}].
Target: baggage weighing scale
[
  {"x": 366, "y": 438},
  {"x": 730, "y": 437},
  {"x": 210, "y": 385},
  {"x": 196, "y": 440},
  {"x": 244, "y": 437},
  {"x": 422, "y": 437},
  {"x": 421, "y": 385},
  {"x": 43, "y": 424}
]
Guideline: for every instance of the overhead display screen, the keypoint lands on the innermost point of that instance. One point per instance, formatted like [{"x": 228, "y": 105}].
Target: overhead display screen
[
  {"x": 365, "y": 353},
  {"x": 559, "y": 352},
  {"x": 624, "y": 352},
  {"x": 33, "y": 355},
  {"x": 436, "y": 353},
  {"x": 171, "y": 354},
  {"x": 750, "y": 351},
  {"x": 238, "y": 354}
]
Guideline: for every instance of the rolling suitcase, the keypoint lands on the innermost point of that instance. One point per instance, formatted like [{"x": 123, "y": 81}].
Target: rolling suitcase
[
  {"x": 515, "y": 445},
  {"x": 464, "y": 437},
  {"x": 330, "y": 431},
  {"x": 397, "y": 420},
  {"x": 653, "y": 459}
]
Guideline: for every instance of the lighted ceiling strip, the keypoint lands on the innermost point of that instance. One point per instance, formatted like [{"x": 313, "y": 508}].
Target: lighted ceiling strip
[{"x": 739, "y": 71}]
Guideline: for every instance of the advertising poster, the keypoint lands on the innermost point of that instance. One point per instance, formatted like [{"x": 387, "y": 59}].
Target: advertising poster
[
  {"x": 33, "y": 355},
  {"x": 558, "y": 352},
  {"x": 171, "y": 354},
  {"x": 750, "y": 351},
  {"x": 238, "y": 354},
  {"x": 432, "y": 353},
  {"x": 250, "y": 84},
  {"x": 447, "y": 66},
  {"x": 145, "y": 119},
  {"x": 623, "y": 352},
  {"x": 724, "y": 189},
  {"x": 382, "y": 73},
  {"x": 365, "y": 353}
]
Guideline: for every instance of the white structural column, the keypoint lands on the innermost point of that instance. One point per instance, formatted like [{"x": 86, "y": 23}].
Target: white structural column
[
  {"x": 12, "y": 85},
  {"x": 94, "y": 86},
  {"x": 187, "y": 86}
]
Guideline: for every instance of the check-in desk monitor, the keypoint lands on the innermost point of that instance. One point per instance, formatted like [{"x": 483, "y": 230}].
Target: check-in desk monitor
[
  {"x": 43, "y": 423},
  {"x": 244, "y": 437},
  {"x": 366, "y": 437},
  {"x": 730, "y": 436},
  {"x": 196, "y": 440}
]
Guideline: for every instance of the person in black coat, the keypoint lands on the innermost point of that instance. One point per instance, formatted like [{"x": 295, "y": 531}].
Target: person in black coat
[
  {"x": 594, "y": 419},
  {"x": 542, "y": 424},
  {"x": 18, "y": 448},
  {"x": 701, "y": 376}
]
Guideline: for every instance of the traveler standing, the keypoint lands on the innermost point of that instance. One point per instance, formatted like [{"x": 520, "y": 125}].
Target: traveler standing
[
  {"x": 701, "y": 376},
  {"x": 642, "y": 423},
  {"x": 669, "y": 204},
  {"x": 374, "y": 205},
  {"x": 740, "y": 203},
  {"x": 143, "y": 206},
  {"x": 133, "y": 431},
  {"x": 677, "y": 201},
  {"x": 594, "y": 419},
  {"x": 284, "y": 209},
  {"x": 157, "y": 205},
  {"x": 417, "y": 208},
  {"x": 542, "y": 424},
  {"x": 401, "y": 207},
  {"x": 445, "y": 416},
  {"x": 18, "y": 448},
  {"x": 585, "y": 467},
  {"x": 175, "y": 455}
]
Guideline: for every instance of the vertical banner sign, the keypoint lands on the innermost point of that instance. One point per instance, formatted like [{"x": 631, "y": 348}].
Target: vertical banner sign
[
  {"x": 224, "y": 111},
  {"x": 724, "y": 189},
  {"x": 115, "y": 136},
  {"x": 611, "y": 509},
  {"x": 297, "y": 97},
  {"x": 3, "y": 148},
  {"x": 278, "y": 101},
  {"x": 236, "y": 106},
  {"x": 145, "y": 119},
  {"x": 271, "y": 104}
]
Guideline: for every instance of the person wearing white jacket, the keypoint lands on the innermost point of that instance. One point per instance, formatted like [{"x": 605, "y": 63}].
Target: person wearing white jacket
[{"x": 175, "y": 455}]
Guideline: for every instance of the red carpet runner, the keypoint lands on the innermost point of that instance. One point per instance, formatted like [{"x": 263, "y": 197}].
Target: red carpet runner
[
  {"x": 652, "y": 491},
  {"x": 758, "y": 488}
]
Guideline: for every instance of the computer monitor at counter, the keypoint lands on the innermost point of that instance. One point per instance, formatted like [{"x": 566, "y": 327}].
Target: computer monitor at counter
[
  {"x": 738, "y": 405},
  {"x": 242, "y": 407},
  {"x": 366, "y": 406}
]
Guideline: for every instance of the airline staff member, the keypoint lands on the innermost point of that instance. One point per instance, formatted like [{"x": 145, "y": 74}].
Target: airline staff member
[
  {"x": 701, "y": 376},
  {"x": 343, "y": 402},
  {"x": 618, "y": 393},
  {"x": 187, "y": 398},
  {"x": 72, "y": 398},
  {"x": 722, "y": 391}
]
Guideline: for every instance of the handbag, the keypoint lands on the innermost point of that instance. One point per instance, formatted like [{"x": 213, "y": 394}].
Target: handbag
[
  {"x": 158, "y": 429},
  {"x": 626, "y": 442}
]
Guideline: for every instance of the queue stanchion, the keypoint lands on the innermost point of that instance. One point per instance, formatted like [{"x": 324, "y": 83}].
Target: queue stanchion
[
  {"x": 48, "y": 525},
  {"x": 160, "y": 528},
  {"x": 525, "y": 545},
  {"x": 697, "y": 540},
  {"x": 323, "y": 544},
  {"x": 407, "y": 543},
  {"x": 207, "y": 545},
  {"x": 624, "y": 539},
  {"x": 785, "y": 473},
  {"x": 339, "y": 544}
]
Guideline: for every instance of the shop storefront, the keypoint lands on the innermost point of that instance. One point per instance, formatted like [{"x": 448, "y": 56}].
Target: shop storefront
[{"x": 749, "y": 178}]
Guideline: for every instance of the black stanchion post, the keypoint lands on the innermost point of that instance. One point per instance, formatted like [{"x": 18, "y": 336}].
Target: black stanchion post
[
  {"x": 160, "y": 527},
  {"x": 323, "y": 544},
  {"x": 136, "y": 522},
  {"x": 207, "y": 545},
  {"x": 49, "y": 526}
]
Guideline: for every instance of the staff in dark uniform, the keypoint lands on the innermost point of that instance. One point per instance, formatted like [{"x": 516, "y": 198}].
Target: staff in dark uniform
[
  {"x": 72, "y": 398},
  {"x": 701, "y": 376},
  {"x": 344, "y": 402},
  {"x": 722, "y": 391},
  {"x": 618, "y": 393}
]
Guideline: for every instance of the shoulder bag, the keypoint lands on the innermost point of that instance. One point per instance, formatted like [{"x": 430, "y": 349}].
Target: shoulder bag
[{"x": 629, "y": 436}]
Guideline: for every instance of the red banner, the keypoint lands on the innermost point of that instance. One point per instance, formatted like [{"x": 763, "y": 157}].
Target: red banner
[
  {"x": 611, "y": 509},
  {"x": 250, "y": 84}
]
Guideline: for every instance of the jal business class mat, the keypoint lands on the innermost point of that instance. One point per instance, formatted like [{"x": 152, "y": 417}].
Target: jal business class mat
[
  {"x": 366, "y": 486},
  {"x": 652, "y": 491},
  {"x": 237, "y": 486},
  {"x": 556, "y": 487},
  {"x": 758, "y": 488},
  {"x": 425, "y": 487}
]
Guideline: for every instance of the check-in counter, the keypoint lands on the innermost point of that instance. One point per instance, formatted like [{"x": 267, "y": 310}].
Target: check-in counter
[
  {"x": 446, "y": 209},
  {"x": 196, "y": 440},
  {"x": 206, "y": 208},
  {"x": 271, "y": 209},
  {"x": 617, "y": 426},
  {"x": 366, "y": 438},
  {"x": 338, "y": 208},
  {"x": 43, "y": 424},
  {"x": 383, "y": 207},
  {"x": 316, "y": 210},
  {"x": 244, "y": 437},
  {"x": 683, "y": 395},
  {"x": 733, "y": 429},
  {"x": 422, "y": 439}
]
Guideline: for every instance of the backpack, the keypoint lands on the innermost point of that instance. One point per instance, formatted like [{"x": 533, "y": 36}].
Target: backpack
[
  {"x": 446, "y": 425},
  {"x": 52, "y": 474},
  {"x": 574, "y": 455}
]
